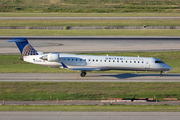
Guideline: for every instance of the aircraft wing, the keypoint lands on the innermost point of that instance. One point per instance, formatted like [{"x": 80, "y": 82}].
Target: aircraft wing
[
  {"x": 85, "y": 69},
  {"x": 80, "y": 69}
]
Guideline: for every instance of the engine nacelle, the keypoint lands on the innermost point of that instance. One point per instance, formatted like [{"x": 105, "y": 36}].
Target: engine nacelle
[{"x": 53, "y": 57}]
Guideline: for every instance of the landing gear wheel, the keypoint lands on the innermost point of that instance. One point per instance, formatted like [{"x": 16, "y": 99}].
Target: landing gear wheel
[
  {"x": 161, "y": 74},
  {"x": 83, "y": 74}
]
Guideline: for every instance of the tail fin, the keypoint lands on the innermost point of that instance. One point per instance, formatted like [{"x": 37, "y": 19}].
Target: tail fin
[{"x": 24, "y": 47}]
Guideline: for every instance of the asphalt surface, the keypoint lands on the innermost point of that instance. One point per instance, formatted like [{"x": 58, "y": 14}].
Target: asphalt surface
[
  {"x": 94, "y": 37},
  {"x": 76, "y": 44},
  {"x": 90, "y": 77},
  {"x": 83, "y": 18},
  {"x": 86, "y": 102},
  {"x": 89, "y": 115}
]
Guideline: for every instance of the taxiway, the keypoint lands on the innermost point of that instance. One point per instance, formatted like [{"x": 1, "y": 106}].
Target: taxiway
[
  {"x": 90, "y": 77},
  {"x": 89, "y": 115},
  {"x": 75, "y": 44}
]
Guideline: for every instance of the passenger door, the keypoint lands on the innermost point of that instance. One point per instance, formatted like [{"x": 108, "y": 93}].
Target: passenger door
[{"x": 147, "y": 65}]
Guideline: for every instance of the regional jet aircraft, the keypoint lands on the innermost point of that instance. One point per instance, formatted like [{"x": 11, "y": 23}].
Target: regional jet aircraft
[{"x": 86, "y": 63}]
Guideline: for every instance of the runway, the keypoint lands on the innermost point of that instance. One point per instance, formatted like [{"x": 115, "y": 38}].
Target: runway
[
  {"x": 89, "y": 115},
  {"x": 90, "y": 77},
  {"x": 79, "y": 44},
  {"x": 83, "y": 18}
]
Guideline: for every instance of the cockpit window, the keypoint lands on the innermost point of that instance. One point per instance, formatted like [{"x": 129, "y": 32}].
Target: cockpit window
[{"x": 159, "y": 62}]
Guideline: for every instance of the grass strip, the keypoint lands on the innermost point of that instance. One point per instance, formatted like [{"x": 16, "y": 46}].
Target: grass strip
[
  {"x": 16, "y": 14},
  {"x": 11, "y": 63},
  {"x": 89, "y": 108},
  {"x": 105, "y": 32},
  {"x": 86, "y": 90},
  {"x": 140, "y": 22},
  {"x": 85, "y": 6}
]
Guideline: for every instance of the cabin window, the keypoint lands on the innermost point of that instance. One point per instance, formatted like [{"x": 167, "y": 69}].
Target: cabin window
[
  {"x": 122, "y": 61},
  {"x": 96, "y": 60},
  {"x": 104, "y": 60},
  {"x": 100, "y": 60},
  {"x": 80, "y": 59},
  {"x": 109, "y": 61},
  {"x": 84, "y": 59},
  {"x": 68, "y": 59},
  {"x": 118, "y": 61},
  {"x": 134, "y": 61},
  {"x": 138, "y": 61},
  {"x": 126, "y": 61},
  {"x": 113, "y": 61},
  {"x": 130, "y": 61},
  {"x": 89, "y": 60},
  {"x": 72, "y": 59},
  {"x": 159, "y": 62},
  {"x": 142, "y": 62},
  {"x": 93, "y": 60},
  {"x": 76, "y": 59}
]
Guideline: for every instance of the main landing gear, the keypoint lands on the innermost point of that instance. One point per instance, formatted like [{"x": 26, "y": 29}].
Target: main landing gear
[
  {"x": 161, "y": 74},
  {"x": 83, "y": 73}
]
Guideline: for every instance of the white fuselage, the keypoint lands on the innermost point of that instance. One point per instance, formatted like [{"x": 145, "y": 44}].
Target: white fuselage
[{"x": 102, "y": 63}]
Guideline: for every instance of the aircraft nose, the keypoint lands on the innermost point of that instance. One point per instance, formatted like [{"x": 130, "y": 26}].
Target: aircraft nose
[{"x": 170, "y": 68}]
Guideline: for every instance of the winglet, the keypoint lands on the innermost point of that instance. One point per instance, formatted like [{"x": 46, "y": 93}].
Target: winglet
[{"x": 64, "y": 66}]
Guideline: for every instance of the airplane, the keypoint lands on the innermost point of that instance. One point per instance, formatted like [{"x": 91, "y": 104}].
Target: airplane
[{"x": 85, "y": 63}]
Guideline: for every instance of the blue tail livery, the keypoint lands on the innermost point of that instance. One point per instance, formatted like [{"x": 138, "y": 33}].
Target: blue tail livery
[{"x": 24, "y": 47}]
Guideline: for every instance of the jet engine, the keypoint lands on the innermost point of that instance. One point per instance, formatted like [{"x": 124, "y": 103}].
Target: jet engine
[{"x": 51, "y": 57}]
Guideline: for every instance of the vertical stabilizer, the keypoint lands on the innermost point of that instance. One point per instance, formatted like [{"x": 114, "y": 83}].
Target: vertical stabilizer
[{"x": 24, "y": 47}]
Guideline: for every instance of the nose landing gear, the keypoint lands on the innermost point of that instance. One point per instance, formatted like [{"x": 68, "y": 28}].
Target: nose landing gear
[
  {"x": 83, "y": 73},
  {"x": 161, "y": 74}
]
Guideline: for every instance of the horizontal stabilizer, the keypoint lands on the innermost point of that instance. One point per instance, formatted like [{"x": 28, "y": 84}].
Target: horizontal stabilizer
[{"x": 18, "y": 40}]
